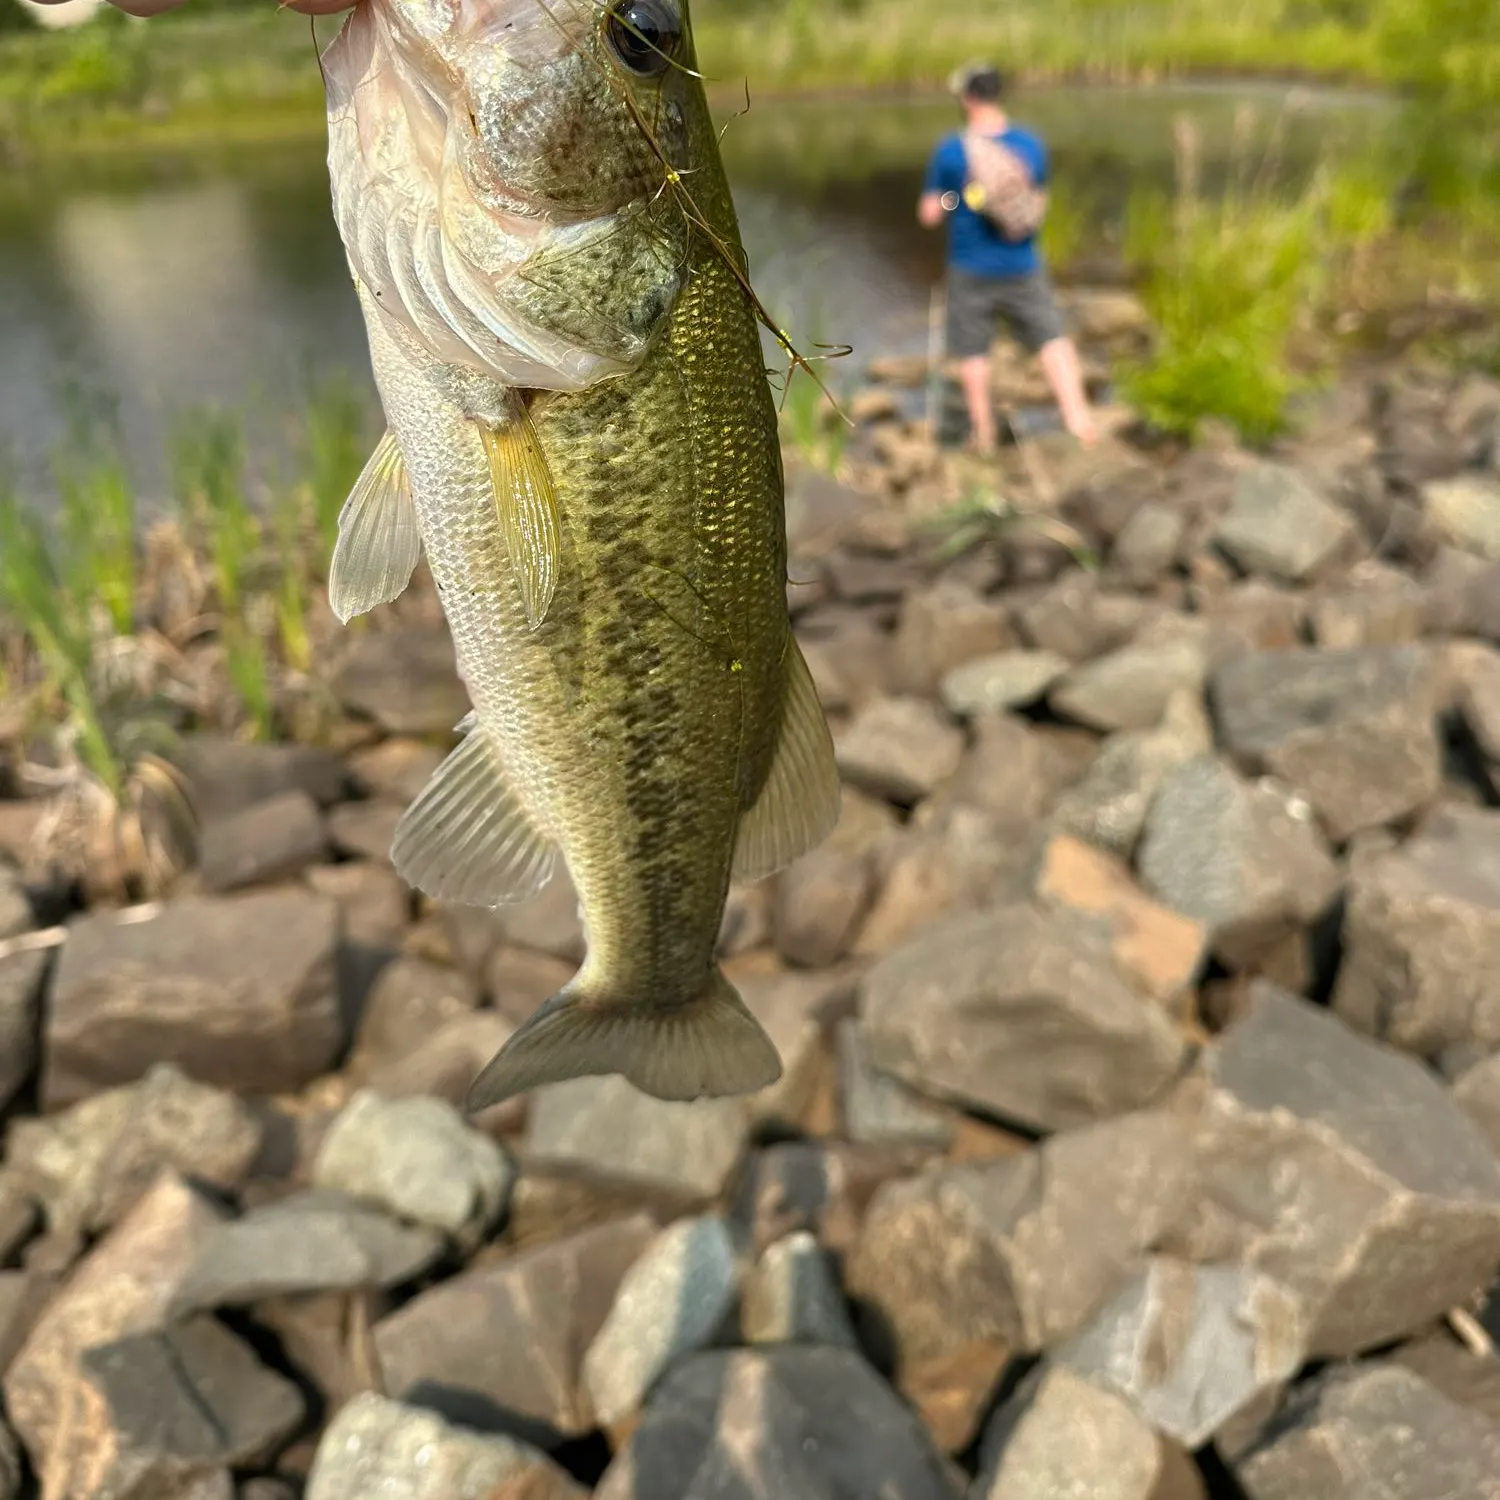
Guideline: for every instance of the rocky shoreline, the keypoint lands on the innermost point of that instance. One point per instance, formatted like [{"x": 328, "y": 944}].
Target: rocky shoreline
[{"x": 1140, "y": 1131}]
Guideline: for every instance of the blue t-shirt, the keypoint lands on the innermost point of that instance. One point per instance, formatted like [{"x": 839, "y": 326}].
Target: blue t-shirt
[{"x": 975, "y": 244}]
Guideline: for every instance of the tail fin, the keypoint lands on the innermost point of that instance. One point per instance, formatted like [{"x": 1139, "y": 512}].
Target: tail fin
[{"x": 710, "y": 1047}]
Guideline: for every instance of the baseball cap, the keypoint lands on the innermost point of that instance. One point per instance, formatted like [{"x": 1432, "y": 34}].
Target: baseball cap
[{"x": 977, "y": 77}]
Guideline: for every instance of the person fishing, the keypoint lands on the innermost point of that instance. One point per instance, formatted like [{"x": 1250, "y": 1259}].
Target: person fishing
[{"x": 989, "y": 183}]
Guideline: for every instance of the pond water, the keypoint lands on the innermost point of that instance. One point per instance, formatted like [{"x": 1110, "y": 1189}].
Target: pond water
[{"x": 217, "y": 277}]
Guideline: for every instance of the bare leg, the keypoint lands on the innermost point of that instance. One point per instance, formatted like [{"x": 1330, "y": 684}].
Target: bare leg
[
  {"x": 1065, "y": 376},
  {"x": 975, "y": 375}
]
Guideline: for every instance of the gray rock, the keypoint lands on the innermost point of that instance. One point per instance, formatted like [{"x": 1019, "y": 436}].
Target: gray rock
[
  {"x": 864, "y": 578},
  {"x": 419, "y": 1159},
  {"x": 849, "y": 657},
  {"x": 1374, "y": 1430},
  {"x": 609, "y": 1131},
  {"x": 1008, "y": 679},
  {"x": 1478, "y": 1094},
  {"x": 880, "y": 1110},
  {"x": 819, "y": 903},
  {"x": 1024, "y": 1249},
  {"x": 820, "y": 512},
  {"x": 671, "y": 1302},
  {"x": 548, "y": 923},
  {"x": 1246, "y": 860},
  {"x": 1279, "y": 526},
  {"x": 796, "y": 1420},
  {"x": 509, "y": 1337},
  {"x": 1479, "y": 697},
  {"x": 792, "y": 1296},
  {"x": 1453, "y": 1370},
  {"x": 1465, "y": 511},
  {"x": 941, "y": 628},
  {"x": 1352, "y": 731},
  {"x": 1343, "y": 1169},
  {"x": 91, "y": 1163},
  {"x": 16, "y": 915},
  {"x": 184, "y": 1402},
  {"x": 901, "y": 749},
  {"x": 268, "y": 842},
  {"x": 365, "y": 830},
  {"x": 1376, "y": 605},
  {"x": 22, "y": 1295},
  {"x": 239, "y": 991},
  {"x": 404, "y": 679},
  {"x": 1108, "y": 807},
  {"x": 1422, "y": 937},
  {"x": 1075, "y": 619},
  {"x": 379, "y": 1447},
  {"x": 1190, "y": 1346},
  {"x": 1130, "y": 688},
  {"x": 444, "y": 1066},
  {"x": 310, "y": 1242},
  {"x": 1252, "y": 615},
  {"x": 411, "y": 1000},
  {"x": 1063, "y": 1438},
  {"x": 226, "y": 776},
  {"x": 1005, "y": 769},
  {"x": 795, "y": 1010},
  {"x": 1019, "y": 1011},
  {"x": 22, "y": 976},
  {"x": 374, "y": 900},
  {"x": 395, "y": 769},
  {"x": 518, "y": 980},
  {"x": 1147, "y": 546}
]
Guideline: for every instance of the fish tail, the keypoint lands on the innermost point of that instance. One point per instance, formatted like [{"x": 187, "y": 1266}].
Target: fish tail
[{"x": 709, "y": 1047}]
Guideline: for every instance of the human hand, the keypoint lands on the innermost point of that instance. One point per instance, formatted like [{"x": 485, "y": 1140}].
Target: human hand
[{"x": 155, "y": 7}]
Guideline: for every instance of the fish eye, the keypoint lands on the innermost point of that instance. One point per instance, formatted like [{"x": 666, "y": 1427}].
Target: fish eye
[{"x": 644, "y": 34}]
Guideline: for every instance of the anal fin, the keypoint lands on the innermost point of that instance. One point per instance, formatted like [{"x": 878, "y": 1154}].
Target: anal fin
[
  {"x": 801, "y": 800},
  {"x": 467, "y": 838},
  {"x": 379, "y": 542},
  {"x": 526, "y": 506}
]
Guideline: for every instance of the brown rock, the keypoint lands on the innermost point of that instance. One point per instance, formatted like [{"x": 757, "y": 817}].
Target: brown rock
[
  {"x": 266, "y": 843},
  {"x": 819, "y": 903},
  {"x": 518, "y": 980},
  {"x": 239, "y": 991},
  {"x": 365, "y": 830},
  {"x": 22, "y": 976},
  {"x": 1376, "y": 605},
  {"x": 397, "y": 770},
  {"x": 411, "y": 1001},
  {"x": 404, "y": 679},
  {"x": 1077, "y": 620},
  {"x": 1003, "y": 770},
  {"x": 902, "y": 749},
  {"x": 943, "y": 627},
  {"x": 373, "y": 898}
]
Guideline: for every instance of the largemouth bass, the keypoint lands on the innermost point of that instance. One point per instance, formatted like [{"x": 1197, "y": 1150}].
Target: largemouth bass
[{"x": 583, "y": 440}]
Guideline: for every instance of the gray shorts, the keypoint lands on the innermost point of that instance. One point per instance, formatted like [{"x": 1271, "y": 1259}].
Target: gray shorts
[{"x": 976, "y": 304}]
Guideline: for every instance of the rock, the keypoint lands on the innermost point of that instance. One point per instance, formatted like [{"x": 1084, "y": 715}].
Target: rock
[
  {"x": 848, "y": 656},
  {"x": 1455, "y": 1372},
  {"x": 1020, "y": 1251},
  {"x": 1479, "y": 698},
  {"x": 1007, "y": 679},
  {"x": 23, "y": 1295},
  {"x": 309, "y": 1242},
  {"x": 509, "y": 1337},
  {"x": 16, "y": 915},
  {"x": 1147, "y": 546},
  {"x": 820, "y": 512},
  {"x": 1343, "y": 1169},
  {"x": 864, "y": 579},
  {"x": 1465, "y": 511},
  {"x": 1280, "y": 527},
  {"x": 90, "y": 1164},
  {"x": 1252, "y": 615},
  {"x": 878, "y": 1109},
  {"x": 794, "y": 1420},
  {"x": 1244, "y": 860},
  {"x": 20, "y": 1213},
  {"x": 404, "y": 679},
  {"x": 227, "y": 776},
  {"x": 378, "y": 1447},
  {"x": 1352, "y": 731},
  {"x": 1190, "y": 1346},
  {"x": 1108, "y": 807},
  {"x": 1102, "y": 315},
  {"x": 1077, "y": 621},
  {"x": 607, "y": 1130},
  {"x": 794, "y": 1010},
  {"x": 1158, "y": 950},
  {"x": 373, "y": 899},
  {"x": 1061, "y": 1436},
  {"x": 12, "y": 1473},
  {"x": 419, "y": 1159},
  {"x": 268, "y": 1489},
  {"x": 125, "y": 1286},
  {"x": 445, "y": 1065},
  {"x": 271, "y": 841},
  {"x": 901, "y": 749},
  {"x": 1376, "y": 606},
  {"x": 239, "y": 990},
  {"x": 22, "y": 976},
  {"x": 746, "y": 924},
  {"x": 365, "y": 830},
  {"x": 1478, "y": 1094},
  {"x": 396, "y": 770},
  {"x": 1422, "y": 937},
  {"x": 792, "y": 1296},
  {"x": 671, "y": 1302},
  {"x": 941, "y": 628},
  {"x": 1004, "y": 770},
  {"x": 819, "y": 903},
  {"x": 1130, "y": 688},
  {"x": 518, "y": 980},
  {"x": 1374, "y": 1430},
  {"x": 1021, "y": 1012},
  {"x": 410, "y": 1002},
  {"x": 181, "y": 1404},
  {"x": 872, "y": 405},
  {"x": 548, "y": 923}
]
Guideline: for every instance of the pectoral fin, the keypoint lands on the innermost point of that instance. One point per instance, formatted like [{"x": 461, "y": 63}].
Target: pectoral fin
[
  {"x": 468, "y": 838},
  {"x": 800, "y": 802},
  {"x": 526, "y": 503},
  {"x": 379, "y": 541}
]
